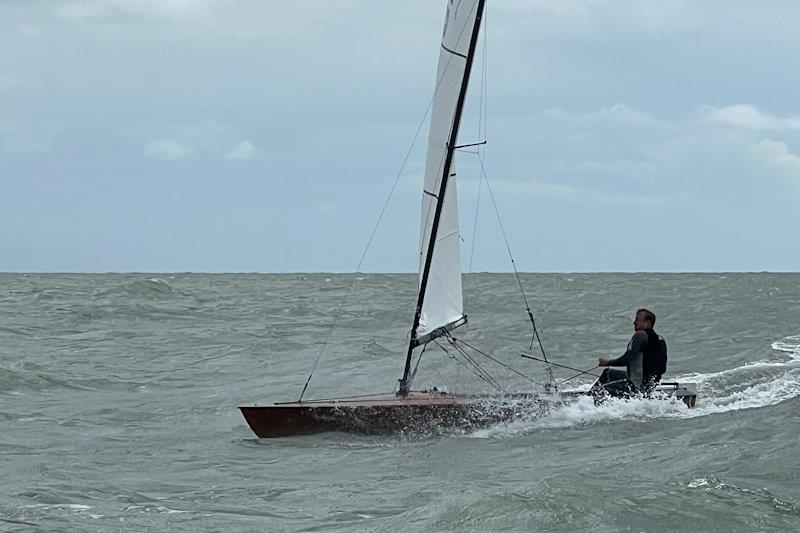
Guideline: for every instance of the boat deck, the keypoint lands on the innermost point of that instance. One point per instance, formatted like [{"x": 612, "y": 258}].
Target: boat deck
[{"x": 386, "y": 400}]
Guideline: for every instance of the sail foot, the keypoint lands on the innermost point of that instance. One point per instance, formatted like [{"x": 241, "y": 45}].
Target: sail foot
[{"x": 440, "y": 331}]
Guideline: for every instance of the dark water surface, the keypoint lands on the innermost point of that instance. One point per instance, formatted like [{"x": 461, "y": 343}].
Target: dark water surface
[{"x": 118, "y": 398}]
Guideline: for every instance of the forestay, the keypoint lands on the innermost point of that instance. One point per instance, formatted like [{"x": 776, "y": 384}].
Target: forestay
[{"x": 443, "y": 302}]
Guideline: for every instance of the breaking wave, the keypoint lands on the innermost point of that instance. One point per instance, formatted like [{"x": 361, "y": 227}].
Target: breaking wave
[
  {"x": 149, "y": 288},
  {"x": 753, "y": 385},
  {"x": 757, "y": 384}
]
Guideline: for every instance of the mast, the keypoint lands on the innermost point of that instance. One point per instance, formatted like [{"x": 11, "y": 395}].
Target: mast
[{"x": 451, "y": 143}]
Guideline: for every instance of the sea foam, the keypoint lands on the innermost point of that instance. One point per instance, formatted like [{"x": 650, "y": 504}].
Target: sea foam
[{"x": 749, "y": 386}]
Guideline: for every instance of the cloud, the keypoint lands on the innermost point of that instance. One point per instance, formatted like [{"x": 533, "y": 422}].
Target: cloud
[
  {"x": 122, "y": 9},
  {"x": 170, "y": 142},
  {"x": 29, "y": 30},
  {"x": 571, "y": 17},
  {"x": 535, "y": 189},
  {"x": 748, "y": 116},
  {"x": 13, "y": 81},
  {"x": 232, "y": 17},
  {"x": 690, "y": 153},
  {"x": 168, "y": 150},
  {"x": 325, "y": 208},
  {"x": 243, "y": 150},
  {"x": 568, "y": 11},
  {"x": 655, "y": 16},
  {"x": 623, "y": 114},
  {"x": 635, "y": 170},
  {"x": 16, "y": 140},
  {"x": 777, "y": 154},
  {"x": 619, "y": 113}
]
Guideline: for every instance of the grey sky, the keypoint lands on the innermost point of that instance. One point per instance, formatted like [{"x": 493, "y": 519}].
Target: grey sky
[{"x": 231, "y": 135}]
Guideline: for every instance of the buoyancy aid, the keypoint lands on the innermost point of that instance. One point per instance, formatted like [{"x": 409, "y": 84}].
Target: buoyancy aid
[{"x": 654, "y": 362}]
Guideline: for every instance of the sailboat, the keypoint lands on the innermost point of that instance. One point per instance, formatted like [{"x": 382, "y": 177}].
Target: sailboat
[{"x": 439, "y": 307}]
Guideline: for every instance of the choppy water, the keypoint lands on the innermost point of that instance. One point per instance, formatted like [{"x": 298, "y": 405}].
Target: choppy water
[{"x": 118, "y": 398}]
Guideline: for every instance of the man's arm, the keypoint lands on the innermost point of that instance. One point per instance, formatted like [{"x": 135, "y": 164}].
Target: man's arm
[{"x": 637, "y": 345}]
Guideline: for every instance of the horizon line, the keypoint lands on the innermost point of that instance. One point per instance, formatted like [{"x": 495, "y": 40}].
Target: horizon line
[{"x": 343, "y": 273}]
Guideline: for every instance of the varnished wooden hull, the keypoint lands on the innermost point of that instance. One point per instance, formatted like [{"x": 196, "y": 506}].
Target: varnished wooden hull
[
  {"x": 418, "y": 412},
  {"x": 389, "y": 414}
]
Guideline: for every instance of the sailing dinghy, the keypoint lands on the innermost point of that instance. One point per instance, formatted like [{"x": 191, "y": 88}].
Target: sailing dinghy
[{"x": 439, "y": 309}]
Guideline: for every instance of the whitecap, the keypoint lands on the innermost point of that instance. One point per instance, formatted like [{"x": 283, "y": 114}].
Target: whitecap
[
  {"x": 77, "y": 507},
  {"x": 698, "y": 482},
  {"x": 790, "y": 345}
]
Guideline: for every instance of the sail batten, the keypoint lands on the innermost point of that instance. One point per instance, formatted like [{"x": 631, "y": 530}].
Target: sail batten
[{"x": 453, "y": 52}]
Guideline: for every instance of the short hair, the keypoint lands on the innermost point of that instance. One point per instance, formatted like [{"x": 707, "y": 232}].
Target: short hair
[{"x": 648, "y": 315}]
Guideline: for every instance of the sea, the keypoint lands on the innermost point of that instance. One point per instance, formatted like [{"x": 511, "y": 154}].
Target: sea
[{"x": 119, "y": 398}]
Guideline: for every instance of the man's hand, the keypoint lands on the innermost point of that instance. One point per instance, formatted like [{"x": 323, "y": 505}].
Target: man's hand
[{"x": 602, "y": 362}]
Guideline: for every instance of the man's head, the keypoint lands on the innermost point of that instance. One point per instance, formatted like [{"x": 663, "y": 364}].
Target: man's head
[{"x": 645, "y": 319}]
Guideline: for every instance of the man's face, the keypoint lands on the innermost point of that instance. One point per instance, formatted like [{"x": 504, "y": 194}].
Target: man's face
[{"x": 639, "y": 322}]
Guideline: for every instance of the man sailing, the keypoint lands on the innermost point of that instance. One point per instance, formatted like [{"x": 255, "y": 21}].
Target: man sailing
[{"x": 645, "y": 361}]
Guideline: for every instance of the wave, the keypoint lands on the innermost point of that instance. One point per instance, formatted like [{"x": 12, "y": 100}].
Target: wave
[
  {"x": 151, "y": 287},
  {"x": 148, "y": 288},
  {"x": 756, "y": 384},
  {"x": 29, "y": 377},
  {"x": 753, "y": 385},
  {"x": 762, "y": 496},
  {"x": 790, "y": 345}
]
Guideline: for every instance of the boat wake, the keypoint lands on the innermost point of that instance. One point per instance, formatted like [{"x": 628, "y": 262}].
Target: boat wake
[{"x": 770, "y": 381}]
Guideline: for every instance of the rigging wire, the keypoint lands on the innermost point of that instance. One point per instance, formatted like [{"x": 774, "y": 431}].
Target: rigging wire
[
  {"x": 366, "y": 248},
  {"x": 478, "y": 366},
  {"x": 535, "y": 334},
  {"x": 482, "y": 120},
  {"x": 471, "y": 366},
  {"x": 526, "y": 356},
  {"x": 582, "y": 373},
  {"x": 481, "y": 135},
  {"x": 380, "y": 218},
  {"x": 507, "y": 367},
  {"x": 414, "y": 373}
]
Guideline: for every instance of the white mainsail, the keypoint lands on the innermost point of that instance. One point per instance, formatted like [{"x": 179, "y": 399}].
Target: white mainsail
[{"x": 443, "y": 303}]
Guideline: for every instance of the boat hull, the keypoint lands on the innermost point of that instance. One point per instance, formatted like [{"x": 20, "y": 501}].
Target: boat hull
[
  {"x": 375, "y": 415},
  {"x": 418, "y": 412}
]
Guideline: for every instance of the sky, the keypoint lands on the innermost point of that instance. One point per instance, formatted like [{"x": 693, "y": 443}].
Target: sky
[{"x": 251, "y": 136}]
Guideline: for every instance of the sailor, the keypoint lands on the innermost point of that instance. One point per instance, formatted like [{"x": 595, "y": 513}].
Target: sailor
[{"x": 645, "y": 360}]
